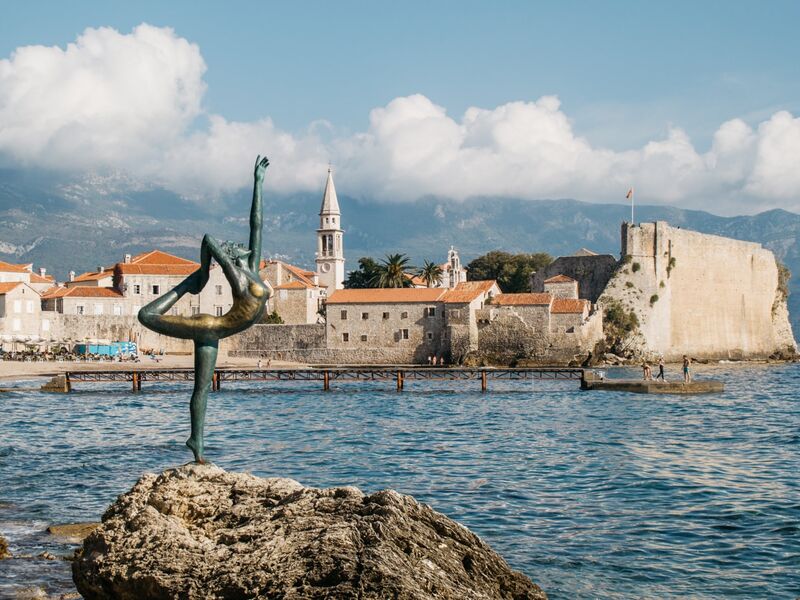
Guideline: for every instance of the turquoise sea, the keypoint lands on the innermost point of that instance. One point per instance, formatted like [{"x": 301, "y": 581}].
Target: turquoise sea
[{"x": 591, "y": 494}]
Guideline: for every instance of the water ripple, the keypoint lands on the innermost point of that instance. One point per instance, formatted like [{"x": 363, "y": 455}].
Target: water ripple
[{"x": 591, "y": 494}]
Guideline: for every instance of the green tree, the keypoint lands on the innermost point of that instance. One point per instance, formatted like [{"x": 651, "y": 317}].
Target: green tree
[
  {"x": 364, "y": 275},
  {"x": 430, "y": 273},
  {"x": 393, "y": 272},
  {"x": 511, "y": 271},
  {"x": 273, "y": 318}
]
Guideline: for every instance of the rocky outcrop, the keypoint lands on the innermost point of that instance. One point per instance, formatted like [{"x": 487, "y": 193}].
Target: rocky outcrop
[
  {"x": 201, "y": 532},
  {"x": 4, "y": 553}
]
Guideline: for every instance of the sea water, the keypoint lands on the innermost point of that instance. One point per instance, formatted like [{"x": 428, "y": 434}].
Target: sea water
[{"x": 590, "y": 494}]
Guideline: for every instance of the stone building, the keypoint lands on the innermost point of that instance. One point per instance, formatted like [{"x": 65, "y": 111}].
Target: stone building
[
  {"x": 592, "y": 272},
  {"x": 85, "y": 300},
  {"x": 330, "y": 244},
  {"x": 21, "y": 315},
  {"x": 561, "y": 286},
  {"x": 538, "y": 328},
  {"x": 296, "y": 295},
  {"x": 408, "y": 319},
  {"x": 24, "y": 272}
]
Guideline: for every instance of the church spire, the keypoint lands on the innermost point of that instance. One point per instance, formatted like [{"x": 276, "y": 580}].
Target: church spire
[{"x": 330, "y": 203}]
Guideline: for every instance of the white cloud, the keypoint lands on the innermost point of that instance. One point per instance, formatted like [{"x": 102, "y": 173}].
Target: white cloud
[{"x": 133, "y": 102}]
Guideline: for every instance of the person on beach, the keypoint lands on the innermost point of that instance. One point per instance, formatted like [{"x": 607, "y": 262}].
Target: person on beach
[
  {"x": 660, "y": 369},
  {"x": 647, "y": 374},
  {"x": 687, "y": 376}
]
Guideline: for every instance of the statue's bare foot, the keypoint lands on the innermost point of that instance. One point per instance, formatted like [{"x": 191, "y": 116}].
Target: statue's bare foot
[{"x": 197, "y": 449}]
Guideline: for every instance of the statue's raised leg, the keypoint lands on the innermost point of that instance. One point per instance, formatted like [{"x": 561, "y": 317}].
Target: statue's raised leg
[{"x": 205, "y": 359}]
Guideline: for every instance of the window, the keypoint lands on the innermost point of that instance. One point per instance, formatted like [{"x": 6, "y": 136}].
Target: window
[
  {"x": 283, "y": 294},
  {"x": 404, "y": 334},
  {"x": 156, "y": 290},
  {"x": 117, "y": 310},
  {"x": 218, "y": 290},
  {"x": 404, "y": 315},
  {"x": 195, "y": 310},
  {"x": 17, "y": 306},
  {"x": 174, "y": 311},
  {"x": 29, "y": 306},
  {"x": 137, "y": 289},
  {"x": 345, "y": 337},
  {"x": 429, "y": 335},
  {"x": 431, "y": 311},
  {"x": 16, "y": 325},
  {"x": 45, "y": 325},
  {"x": 98, "y": 309},
  {"x": 364, "y": 338},
  {"x": 344, "y": 315},
  {"x": 79, "y": 309},
  {"x": 385, "y": 316},
  {"x": 364, "y": 316},
  {"x": 218, "y": 311}
]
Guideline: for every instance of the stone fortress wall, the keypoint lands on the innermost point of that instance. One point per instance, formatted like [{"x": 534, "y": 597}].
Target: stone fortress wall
[
  {"x": 592, "y": 273},
  {"x": 702, "y": 295}
]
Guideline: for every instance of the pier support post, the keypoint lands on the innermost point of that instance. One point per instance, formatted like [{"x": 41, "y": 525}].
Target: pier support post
[
  {"x": 136, "y": 386},
  {"x": 215, "y": 382},
  {"x": 399, "y": 381},
  {"x": 483, "y": 381},
  {"x": 326, "y": 381}
]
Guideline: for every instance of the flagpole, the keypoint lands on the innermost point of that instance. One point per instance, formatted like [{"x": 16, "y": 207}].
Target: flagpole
[{"x": 633, "y": 196}]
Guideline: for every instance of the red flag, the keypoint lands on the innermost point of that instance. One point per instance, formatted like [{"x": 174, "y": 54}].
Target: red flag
[{"x": 629, "y": 195}]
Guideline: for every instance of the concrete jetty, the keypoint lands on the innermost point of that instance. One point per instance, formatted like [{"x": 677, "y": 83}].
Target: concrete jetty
[{"x": 591, "y": 381}]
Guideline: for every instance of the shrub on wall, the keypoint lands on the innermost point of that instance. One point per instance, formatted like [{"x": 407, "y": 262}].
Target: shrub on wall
[
  {"x": 273, "y": 318},
  {"x": 653, "y": 299},
  {"x": 635, "y": 267}
]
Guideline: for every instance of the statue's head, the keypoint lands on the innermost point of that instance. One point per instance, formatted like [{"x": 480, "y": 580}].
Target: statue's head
[{"x": 237, "y": 253}]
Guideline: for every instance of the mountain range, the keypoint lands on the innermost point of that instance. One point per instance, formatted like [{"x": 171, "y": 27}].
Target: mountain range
[{"x": 65, "y": 223}]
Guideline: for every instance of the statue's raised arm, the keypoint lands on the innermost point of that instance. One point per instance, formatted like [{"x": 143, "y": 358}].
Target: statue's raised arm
[{"x": 256, "y": 214}]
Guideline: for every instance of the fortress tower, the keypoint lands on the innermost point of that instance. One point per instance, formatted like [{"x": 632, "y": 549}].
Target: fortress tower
[{"x": 330, "y": 252}]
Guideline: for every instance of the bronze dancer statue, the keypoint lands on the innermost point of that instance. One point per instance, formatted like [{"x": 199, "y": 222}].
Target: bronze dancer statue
[{"x": 250, "y": 296}]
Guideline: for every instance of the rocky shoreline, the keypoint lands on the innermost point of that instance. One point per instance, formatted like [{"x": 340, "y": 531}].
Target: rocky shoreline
[{"x": 199, "y": 531}]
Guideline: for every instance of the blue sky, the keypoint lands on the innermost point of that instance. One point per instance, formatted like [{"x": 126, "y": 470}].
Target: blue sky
[{"x": 626, "y": 73}]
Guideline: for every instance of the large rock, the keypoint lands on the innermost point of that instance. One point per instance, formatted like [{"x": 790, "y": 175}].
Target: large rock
[
  {"x": 201, "y": 532},
  {"x": 4, "y": 553}
]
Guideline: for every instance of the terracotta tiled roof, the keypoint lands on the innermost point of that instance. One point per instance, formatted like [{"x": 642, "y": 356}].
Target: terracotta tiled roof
[
  {"x": 293, "y": 285},
  {"x": 467, "y": 291},
  {"x": 36, "y": 278},
  {"x": 483, "y": 285},
  {"x": 386, "y": 296},
  {"x": 158, "y": 257},
  {"x": 154, "y": 269},
  {"x": 560, "y": 279},
  {"x": 9, "y": 268},
  {"x": 301, "y": 274},
  {"x": 568, "y": 305},
  {"x": 94, "y": 275},
  {"x": 522, "y": 299},
  {"x": 81, "y": 291},
  {"x": 7, "y": 286}
]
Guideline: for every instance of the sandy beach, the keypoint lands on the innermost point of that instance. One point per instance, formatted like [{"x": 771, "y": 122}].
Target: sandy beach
[{"x": 10, "y": 370}]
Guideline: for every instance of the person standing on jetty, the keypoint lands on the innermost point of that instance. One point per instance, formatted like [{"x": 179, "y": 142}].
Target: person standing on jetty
[
  {"x": 250, "y": 295},
  {"x": 660, "y": 369},
  {"x": 687, "y": 376}
]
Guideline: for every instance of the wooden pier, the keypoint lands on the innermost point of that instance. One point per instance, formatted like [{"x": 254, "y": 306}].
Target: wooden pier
[{"x": 325, "y": 375}]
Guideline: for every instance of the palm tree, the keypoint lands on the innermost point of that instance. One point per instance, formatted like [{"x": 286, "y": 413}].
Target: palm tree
[
  {"x": 392, "y": 272},
  {"x": 430, "y": 273}
]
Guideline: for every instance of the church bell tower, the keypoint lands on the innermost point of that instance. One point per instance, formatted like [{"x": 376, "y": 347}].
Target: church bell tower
[{"x": 330, "y": 252}]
